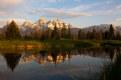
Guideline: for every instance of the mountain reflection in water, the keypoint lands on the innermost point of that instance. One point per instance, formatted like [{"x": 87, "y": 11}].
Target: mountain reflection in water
[{"x": 54, "y": 64}]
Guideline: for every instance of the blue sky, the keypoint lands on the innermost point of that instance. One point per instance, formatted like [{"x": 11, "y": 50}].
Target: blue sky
[{"x": 80, "y": 13}]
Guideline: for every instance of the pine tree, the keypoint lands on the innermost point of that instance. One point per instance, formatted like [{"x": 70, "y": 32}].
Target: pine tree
[
  {"x": 32, "y": 35},
  {"x": 88, "y": 35},
  {"x": 55, "y": 32},
  {"x": 37, "y": 34},
  {"x": 12, "y": 32},
  {"x": 105, "y": 35},
  {"x": 69, "y": 32},
  {"x": 48, "y": 33},
  {"x": 12, "y": 60},
  {"x": 2, "y": 36},
  {"x": 27, "y": 36},
  {"x": 42, "y": 34},
  {"x": 74, "y": 35},
  {"x": 63, "y": 31},
  {"x": 81, "y": 34},
  {"x": 118, "y": 36},
  {"x": 94, "y": 33},
  {"x": 111, "y": 34},
  {"x": 100, "y": 35}
]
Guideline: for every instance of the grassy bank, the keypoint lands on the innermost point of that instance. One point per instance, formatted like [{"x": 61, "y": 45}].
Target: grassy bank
[
  {"x": 43, "y": 44},
  {"x": 58, "y": 43},
  {"x": 104, "y": 42}
]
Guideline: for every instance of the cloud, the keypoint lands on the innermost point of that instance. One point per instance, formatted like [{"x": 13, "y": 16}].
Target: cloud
[
  {"x": 2, "y": 13},
  {"x": 104, "y": 12},
  {"x": 32, "y": 11},
  {"x": 77, "y": 0},
  {"x": 11, "y": 1},
  {"x": 12, "y": 8},
  {"x": 118, "y": 7},
  {"x": 79, "y": 8},
  {"x": 110, "y": 1},
  {"x": 115, "y": 10},
  {"x": 78, "y": 11},
  {"x": 56, "y": 13},
  {"x": 61, "y": 13},
  {"x": 65, "y": 13},
  {"x": 8, "y": 3},
  {"x": 84, "y": 7},
  {"x": 18, "y": 21},
  {"x": 116, "y": 21},
  {"x": 54, "y": 1}
]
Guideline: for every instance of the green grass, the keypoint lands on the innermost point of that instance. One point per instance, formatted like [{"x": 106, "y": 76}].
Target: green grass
[
  {"x": 18, "y": 43},
  {"x": 58, "y": 43},
  {"x": 67, "y": 43},
  {"x": 105, "y": 42}
]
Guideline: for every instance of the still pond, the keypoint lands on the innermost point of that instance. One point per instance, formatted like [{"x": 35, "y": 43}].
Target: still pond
[{"x": 55, "y": 64}]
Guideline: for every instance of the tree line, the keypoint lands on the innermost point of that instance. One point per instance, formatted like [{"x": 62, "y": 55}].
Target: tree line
[{"x": 11, "y": 32}]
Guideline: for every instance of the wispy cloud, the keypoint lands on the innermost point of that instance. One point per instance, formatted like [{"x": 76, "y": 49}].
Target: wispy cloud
[
  {"x": 2, "y": 13},
  {"x": 56, "y": 13},
  {"x": 54, "y": 1},
  {"x": 78, "y": 11},
  {"x": 10, "y": 7},
  {"x": 62, "y": 13},
  {"x": 77, "y": 0},
  {"x": 118, "y": 7},
  {"x": 116, "y": 21},
  {"x": 84, "y": 7},
  {"x": 105, "y": 12},
  {"x": 79, "y": 8},
  {"x": 7, "y": 3},
  {"x": 110, "y": 1}
]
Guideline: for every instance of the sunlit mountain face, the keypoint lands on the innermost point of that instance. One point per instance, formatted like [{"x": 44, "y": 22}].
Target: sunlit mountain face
[{"x": 55, "y": 64}]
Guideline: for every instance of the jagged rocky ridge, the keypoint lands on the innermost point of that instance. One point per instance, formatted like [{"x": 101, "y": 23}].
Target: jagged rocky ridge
[{"x": 28, "y": 27}]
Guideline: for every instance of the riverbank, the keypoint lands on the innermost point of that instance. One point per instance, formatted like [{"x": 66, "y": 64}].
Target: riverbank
[{"x": 29, "y": 44}]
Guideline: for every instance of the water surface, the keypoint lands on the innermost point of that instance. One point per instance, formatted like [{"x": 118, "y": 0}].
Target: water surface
[{"x": 54, "y": 64}]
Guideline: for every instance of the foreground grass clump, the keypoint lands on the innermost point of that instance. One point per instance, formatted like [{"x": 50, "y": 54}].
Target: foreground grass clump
[{"x": 112, "y": 70}]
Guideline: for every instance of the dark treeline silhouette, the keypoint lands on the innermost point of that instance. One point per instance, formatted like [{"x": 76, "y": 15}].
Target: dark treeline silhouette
[
  {"x": 100, "y": 35},
  {"x": 11, "y": 31}
]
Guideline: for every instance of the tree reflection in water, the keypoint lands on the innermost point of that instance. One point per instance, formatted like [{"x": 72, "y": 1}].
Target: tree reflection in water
[
  {"x": 54, "y": 54},
  {"x": 57, "y": 56},
  {"x": 12, "y": 60}
]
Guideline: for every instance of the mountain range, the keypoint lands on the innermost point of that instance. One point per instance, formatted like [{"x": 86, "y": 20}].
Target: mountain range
[{"x": 43, "y": 24}]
